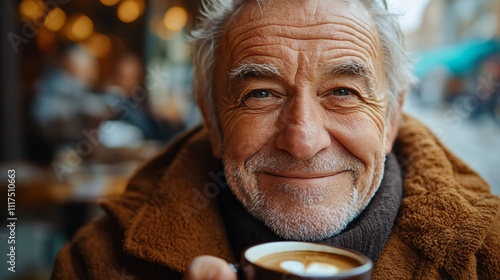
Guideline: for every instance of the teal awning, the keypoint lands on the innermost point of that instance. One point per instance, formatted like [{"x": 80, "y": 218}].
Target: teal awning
[{"x": 459, "y": 59}]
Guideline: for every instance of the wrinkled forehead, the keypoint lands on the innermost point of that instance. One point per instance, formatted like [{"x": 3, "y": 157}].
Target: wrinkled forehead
[
  {"x": 299, "y": 13},
  {"x": 298, "y": 22},
  {"x": 324, "y": 29}
]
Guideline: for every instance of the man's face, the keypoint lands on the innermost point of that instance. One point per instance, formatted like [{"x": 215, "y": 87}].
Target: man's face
[{"x": 301, "y": 97}]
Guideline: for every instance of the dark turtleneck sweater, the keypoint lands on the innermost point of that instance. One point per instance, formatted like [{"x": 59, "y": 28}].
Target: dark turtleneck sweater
[{"x": 367, "y": 233}]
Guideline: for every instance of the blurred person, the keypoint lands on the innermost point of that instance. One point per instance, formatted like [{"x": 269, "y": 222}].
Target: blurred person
[
  {"x": 493, "y": 85},
  {"x": 126, "y": 96},
  {"x": 487, "y": 88},
  {"x": 454, "y": 89},
  {"x": 303, "y": 139},
  {"x": 64, "y": 104},
  {"x": 127, "y": 75}
]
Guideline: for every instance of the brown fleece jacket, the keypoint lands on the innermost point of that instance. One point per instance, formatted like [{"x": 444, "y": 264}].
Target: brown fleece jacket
[{"x": 448, "y": 226}]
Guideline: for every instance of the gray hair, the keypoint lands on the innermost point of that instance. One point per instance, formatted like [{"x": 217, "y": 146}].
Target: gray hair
[{"x": 214, "y": 14}]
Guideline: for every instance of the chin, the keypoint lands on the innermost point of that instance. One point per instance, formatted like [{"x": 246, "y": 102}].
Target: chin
[
  {"x": 311, "y": 222},
  {"x": 292, "y": 216}
]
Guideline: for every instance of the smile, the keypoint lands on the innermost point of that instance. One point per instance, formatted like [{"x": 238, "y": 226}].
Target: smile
[{"x": 300, "y": 178}]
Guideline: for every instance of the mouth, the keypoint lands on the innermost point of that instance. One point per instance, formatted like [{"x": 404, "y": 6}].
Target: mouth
[{"x": 300, "y": 178}]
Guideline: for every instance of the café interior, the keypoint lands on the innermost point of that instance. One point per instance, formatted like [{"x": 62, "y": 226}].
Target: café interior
[{"x": 91, "y": 90}]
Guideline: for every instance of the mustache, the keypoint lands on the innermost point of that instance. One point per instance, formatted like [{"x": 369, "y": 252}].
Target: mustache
[{"x": 326, "y": 161}]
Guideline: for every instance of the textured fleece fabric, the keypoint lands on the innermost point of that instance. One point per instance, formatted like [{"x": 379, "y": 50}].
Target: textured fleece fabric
[{"x": 448, "y": 226}]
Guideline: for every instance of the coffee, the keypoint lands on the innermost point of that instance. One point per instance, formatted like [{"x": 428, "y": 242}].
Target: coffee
[
  {"x": 308, "y": 263},
  {"x": 303, "y": 260}
]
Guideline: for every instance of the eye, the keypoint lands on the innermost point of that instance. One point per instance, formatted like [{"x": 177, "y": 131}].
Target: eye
[
  {"x": 340, "y": 97},
  {"x": 262, "y": 98},
  {"x": 341, "y": 92},
  {"x": 259, "y": 93}
]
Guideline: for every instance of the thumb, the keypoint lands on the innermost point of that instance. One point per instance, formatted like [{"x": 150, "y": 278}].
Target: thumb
[{"x": 209, "y": 268}]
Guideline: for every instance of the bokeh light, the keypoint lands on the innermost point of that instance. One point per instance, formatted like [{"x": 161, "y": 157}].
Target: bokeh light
[
  {"x": 129, "y": 10},
  {"x": 55, "y": 20},
  {"x": 142, "y": 5},
  {"x": 109, "y": 2},
  {"x": 175, "y": 18},
  {"x": 164, "y": 33},
  {"x": 99, "y": 45},
  {"x": 30, "y": 8},
  {"x": 80, "y": 27}
]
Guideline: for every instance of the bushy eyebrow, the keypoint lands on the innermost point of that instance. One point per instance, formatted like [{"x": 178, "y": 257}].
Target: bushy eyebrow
[
  {"x": 266, "y": 70},
  {"x": 254, "y": 70},
  {"x": 352, "y": 69}
]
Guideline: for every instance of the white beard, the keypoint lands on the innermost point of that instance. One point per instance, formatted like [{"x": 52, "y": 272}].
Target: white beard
[{"x": 315, "y": 216}]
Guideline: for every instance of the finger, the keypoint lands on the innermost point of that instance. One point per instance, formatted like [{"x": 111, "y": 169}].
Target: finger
[{"x": 209, "y": 268}]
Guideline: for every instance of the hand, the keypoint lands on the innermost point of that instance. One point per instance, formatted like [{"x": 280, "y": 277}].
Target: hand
[{"x": 209, "y": 268}]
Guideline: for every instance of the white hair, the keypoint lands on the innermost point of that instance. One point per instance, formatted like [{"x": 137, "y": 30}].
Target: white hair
[{"x": 214, "y": 14}]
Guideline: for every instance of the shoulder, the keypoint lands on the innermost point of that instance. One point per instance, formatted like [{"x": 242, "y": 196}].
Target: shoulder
[
  {"x": 448, "y": 214},
  {"x": 143, "y": 184},
  {"x": 96, "y": 252},
  {"x": 92, "y": 252}
]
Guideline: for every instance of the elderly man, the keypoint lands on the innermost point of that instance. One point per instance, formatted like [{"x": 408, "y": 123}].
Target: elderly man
[{"x": 303, "y": 139}]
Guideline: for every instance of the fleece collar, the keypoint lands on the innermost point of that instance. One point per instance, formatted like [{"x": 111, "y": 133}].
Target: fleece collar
[
  {"x": 447, "y": 209},
  {"x": 180, "y": 218},
  {"x": 169, "y": 213}
]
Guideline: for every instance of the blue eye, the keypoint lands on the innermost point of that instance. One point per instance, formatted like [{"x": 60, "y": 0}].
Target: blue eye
[
  {"x": 262, "y": 99},
  {"x": 260, "y": 94},
  {"x": 341, "y": 92}
]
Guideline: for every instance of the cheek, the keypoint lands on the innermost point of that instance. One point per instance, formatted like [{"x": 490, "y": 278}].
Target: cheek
[
  {"x": 246, "y": 134},
  {"x": 360, "y": 133}
]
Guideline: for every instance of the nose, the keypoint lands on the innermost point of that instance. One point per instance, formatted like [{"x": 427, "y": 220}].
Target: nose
[{"x": 304, "y": 133}]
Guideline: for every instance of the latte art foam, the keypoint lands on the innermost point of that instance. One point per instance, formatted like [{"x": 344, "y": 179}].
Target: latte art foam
[
  {"x": 312, "y": 269},
  {"x": 308, "y": 263}
]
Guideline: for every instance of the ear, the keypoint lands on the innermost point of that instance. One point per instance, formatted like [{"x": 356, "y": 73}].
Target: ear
[
  {"x": 211, "y": 130},
  {"x": 214, "y": 140},
  {"x": 394, "y": 122}
]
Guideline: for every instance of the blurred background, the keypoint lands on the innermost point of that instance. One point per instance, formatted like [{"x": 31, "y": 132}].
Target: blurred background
[{"x": 90, "y": 89}]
